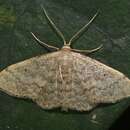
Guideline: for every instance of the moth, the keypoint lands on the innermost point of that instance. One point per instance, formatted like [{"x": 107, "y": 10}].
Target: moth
[{"x": 66, "y": 78}]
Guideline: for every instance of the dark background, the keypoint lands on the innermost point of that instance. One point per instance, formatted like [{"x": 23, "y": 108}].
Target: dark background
[
  {"x": 123, "y": 122},
  {"x": 111, "y": 28}
]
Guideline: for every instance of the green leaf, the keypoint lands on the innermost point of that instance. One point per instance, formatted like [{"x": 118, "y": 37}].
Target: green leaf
[{"x": 111, "y": 28}]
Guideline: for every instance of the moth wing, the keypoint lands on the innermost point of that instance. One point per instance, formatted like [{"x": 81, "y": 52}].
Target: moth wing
[
  {"x": 33, "y": 78},
  {"x": 100, "y": 83},
  {"x": 65, "y": 79}
]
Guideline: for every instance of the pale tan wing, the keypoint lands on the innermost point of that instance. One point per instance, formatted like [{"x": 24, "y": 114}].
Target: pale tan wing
[
  {"x": 65, "y": 79},
  {"x": 100, "y": 83},
  {"x": 34, "y": 78}
]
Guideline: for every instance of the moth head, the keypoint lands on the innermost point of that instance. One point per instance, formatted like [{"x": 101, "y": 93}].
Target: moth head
[{"x": 66, "y": 47}]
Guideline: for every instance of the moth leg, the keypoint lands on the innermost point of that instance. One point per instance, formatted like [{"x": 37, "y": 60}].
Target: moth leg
[
  {"x": 88, "y": 51},
  {"x": 44, "y": 44}
]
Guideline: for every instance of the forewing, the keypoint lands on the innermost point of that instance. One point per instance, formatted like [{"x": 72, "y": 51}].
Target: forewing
[
  {"x": 33, "y": 78},
  {"x": 100, "y": 83}
]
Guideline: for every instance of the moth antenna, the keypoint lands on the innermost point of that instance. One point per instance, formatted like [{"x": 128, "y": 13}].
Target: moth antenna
[
  {"x": 54, "y": 26},
  {"x": 88, "y": 51},
  {"x": 77, "y": 34},
  {"x": 44, "y": 44}
]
